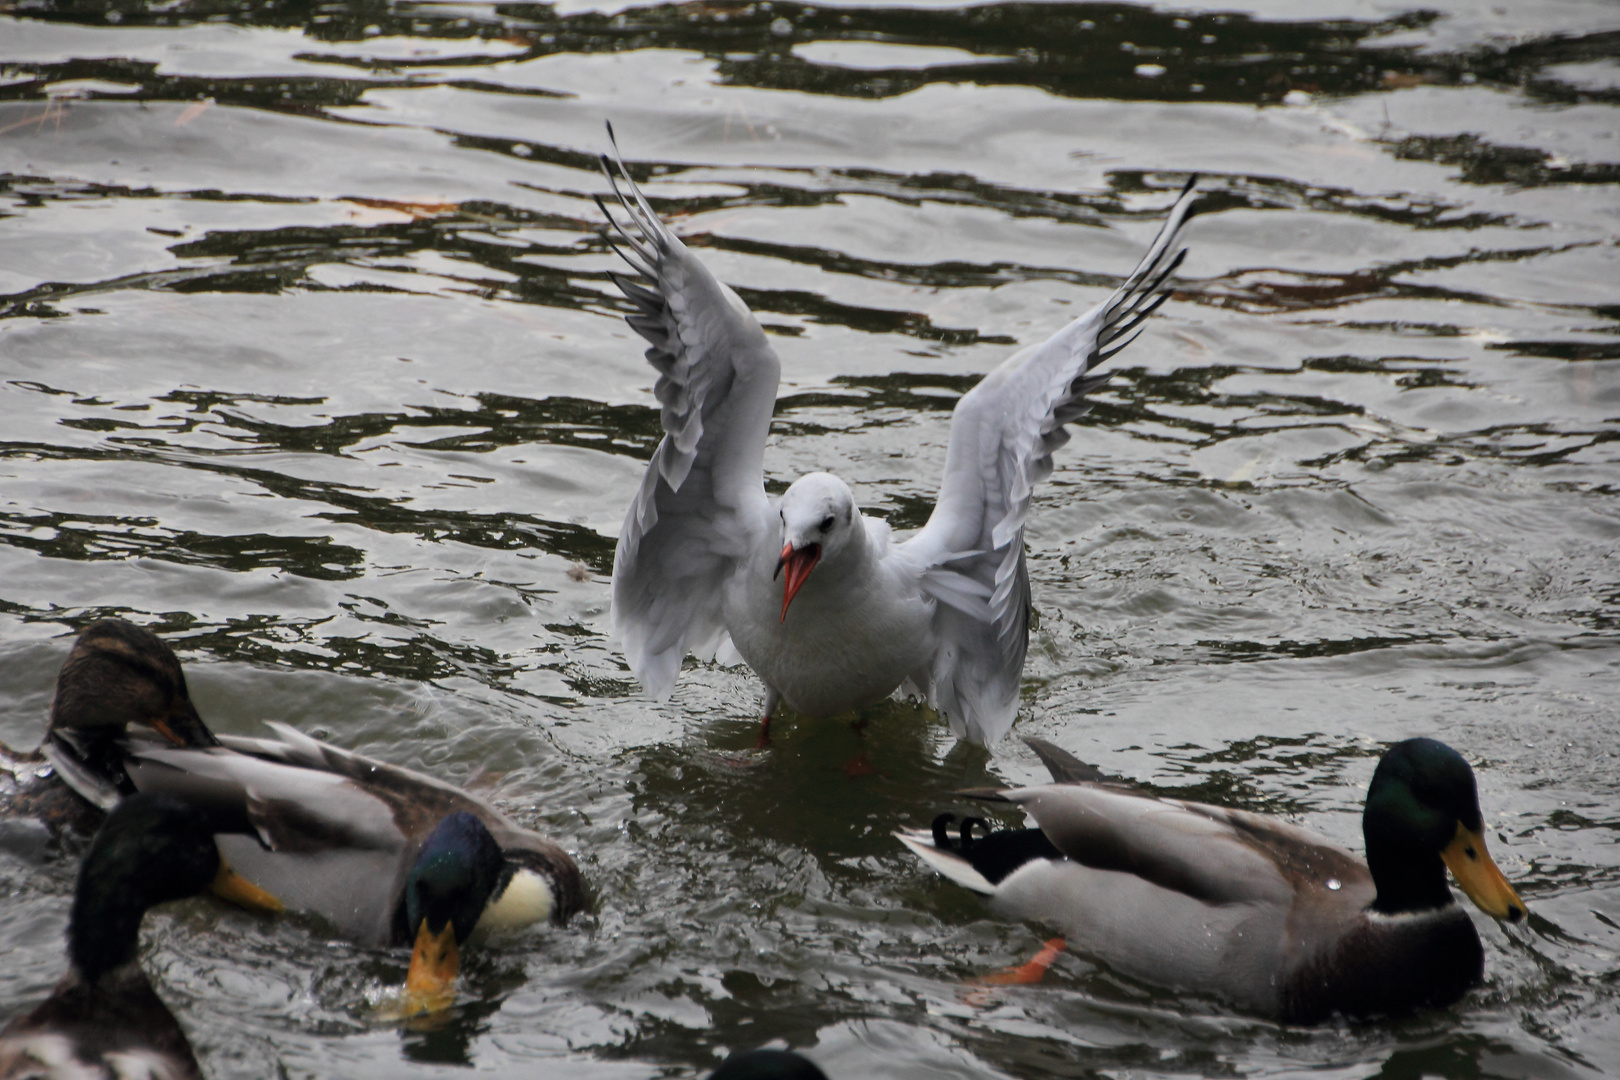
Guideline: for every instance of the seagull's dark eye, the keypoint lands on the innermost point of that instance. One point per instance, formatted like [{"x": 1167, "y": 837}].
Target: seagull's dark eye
[{"x": 827, "y": 523}]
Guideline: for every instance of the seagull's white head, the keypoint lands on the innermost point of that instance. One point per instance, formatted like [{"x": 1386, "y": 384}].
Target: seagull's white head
[{"x": 819, "y": 522}]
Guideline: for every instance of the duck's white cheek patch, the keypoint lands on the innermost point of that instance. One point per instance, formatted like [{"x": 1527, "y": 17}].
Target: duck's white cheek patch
[{"x": 527, "y": 900}]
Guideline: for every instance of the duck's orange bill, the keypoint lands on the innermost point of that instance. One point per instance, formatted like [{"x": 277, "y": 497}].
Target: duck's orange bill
[
  {"x": 431, "y": 982},
  {"x": 229, "y": 885},
  {"x": 799, "y": 563},
  {"x": 1478, "y": 876}
]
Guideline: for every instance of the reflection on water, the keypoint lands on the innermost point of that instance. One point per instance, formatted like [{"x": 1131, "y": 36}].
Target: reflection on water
[
  {"x": 1073, "y": 50},
  {"x": 308, "y": 359}
]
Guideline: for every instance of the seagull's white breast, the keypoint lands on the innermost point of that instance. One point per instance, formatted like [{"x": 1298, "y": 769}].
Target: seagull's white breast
[{"x": 850, "y": 637}]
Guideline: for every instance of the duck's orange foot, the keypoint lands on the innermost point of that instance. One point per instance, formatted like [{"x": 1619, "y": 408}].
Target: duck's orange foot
[
  {"x": 859, "y": 766},
  {"x": 1026, "y": 973},
  {"x": 764, "y": 742}
]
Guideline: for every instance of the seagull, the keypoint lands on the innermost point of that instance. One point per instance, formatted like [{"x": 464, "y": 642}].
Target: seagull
[{"x": 825, "y": 604}]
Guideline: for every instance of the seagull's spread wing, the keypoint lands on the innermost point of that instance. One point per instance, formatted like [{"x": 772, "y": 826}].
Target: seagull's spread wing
[
  {"x": 702, "y": 504},
  {"x": 1002, "y": 437}
]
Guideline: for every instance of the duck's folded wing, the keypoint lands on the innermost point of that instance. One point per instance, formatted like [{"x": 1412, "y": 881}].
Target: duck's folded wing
[
  {"x": 326, "y": 844},
  {"x": 702, "y": 505},
  {"x": 1185, "y": 847},
  {"x": 1003, "y": 434},
  {"x": 293, "y": 809},
  {"x": 90, "y": 758},
  {"x": 420, "y": 801},
  {"x": 99, "y": 778}
]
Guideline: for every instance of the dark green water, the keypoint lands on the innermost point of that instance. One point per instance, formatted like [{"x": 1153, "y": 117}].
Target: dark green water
[{"x": 308, "y": 359}]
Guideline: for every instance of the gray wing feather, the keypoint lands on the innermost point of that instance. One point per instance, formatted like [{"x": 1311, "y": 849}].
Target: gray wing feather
[
  {"x": 1064, "y": 766},
  {"x": 702, "y": 504},
  {"x": 1003, "y": 434},
  {"x": 1186, "y": 847},
  {"x": 96, "y": 788},
  {"x": 294, "y": 807}
]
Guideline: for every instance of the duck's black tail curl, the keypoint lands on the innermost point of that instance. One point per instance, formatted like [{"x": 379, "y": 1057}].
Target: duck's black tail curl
[{"x": 995, "y": 854}]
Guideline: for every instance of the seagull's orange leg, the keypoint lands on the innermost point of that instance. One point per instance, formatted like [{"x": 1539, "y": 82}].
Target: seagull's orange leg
[{"x": 772, "y": 700}]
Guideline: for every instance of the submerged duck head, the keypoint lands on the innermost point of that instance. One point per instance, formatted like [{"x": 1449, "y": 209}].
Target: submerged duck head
[
  {"x": 1422, "y": 816},
  {"x": 120, "y": 674},
  {"x": 460, "y": 869},
  {"x": 151, "y": 849},
  {"x": 818, "y": 517}
]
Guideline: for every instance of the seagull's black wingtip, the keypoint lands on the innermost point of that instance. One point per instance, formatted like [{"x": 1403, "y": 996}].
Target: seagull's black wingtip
[{"x": 1187, "y": 190}]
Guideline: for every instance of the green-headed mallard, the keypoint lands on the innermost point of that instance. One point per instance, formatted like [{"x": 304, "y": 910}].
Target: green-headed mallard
[
  {"x": 1269, "y": 916},
  {"x": 388, "y": 856},
  {"x": 104, "y": 1019}
]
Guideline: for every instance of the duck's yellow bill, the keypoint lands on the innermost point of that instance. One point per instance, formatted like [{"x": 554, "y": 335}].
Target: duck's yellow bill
[
  {"x": 1478, "y": 876},
  {"x": 430, "y": 984},
  {"x": 229, "y": 885}
]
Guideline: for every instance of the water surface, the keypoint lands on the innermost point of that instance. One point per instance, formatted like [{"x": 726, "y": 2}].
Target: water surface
[{"x": 308, "y": 359}]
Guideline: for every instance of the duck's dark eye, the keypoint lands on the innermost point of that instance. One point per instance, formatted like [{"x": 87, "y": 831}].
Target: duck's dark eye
[
  {"x": 827, "y": 523},
  {"x": 1470, "y": 852}
]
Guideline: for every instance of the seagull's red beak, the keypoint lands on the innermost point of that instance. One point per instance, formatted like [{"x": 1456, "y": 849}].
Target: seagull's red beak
[{"x": 799, "y": 563}]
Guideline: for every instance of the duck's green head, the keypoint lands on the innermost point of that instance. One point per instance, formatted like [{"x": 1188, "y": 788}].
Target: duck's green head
[
  {"x": 120, "y": 674},
  {"x": 455, "y": 875},
  {"x": 151, "y": 849},
  {"x": 1422, "y": 815}
]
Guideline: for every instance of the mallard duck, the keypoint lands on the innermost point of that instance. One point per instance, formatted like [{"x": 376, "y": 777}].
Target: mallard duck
[
  {"x": 1271, "y": 917},
  {"x": 386, "y": 855},
  {"x": 103, "y": 1018}
]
